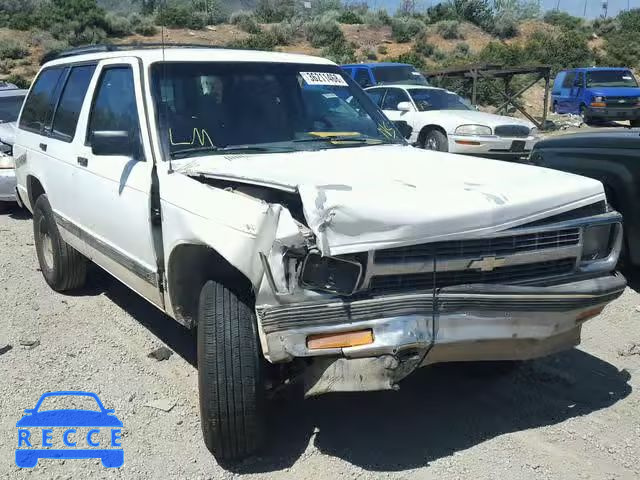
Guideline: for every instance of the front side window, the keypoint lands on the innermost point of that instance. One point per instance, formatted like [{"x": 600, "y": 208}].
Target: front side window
[
  {"x": 114, "y": 105},
  {"x": 427, "y": 99},
  {"x": 393, "y": 98},
  {"x": 38, "y": 108},
  {"x": 611, "y": 78},
  {"x": 376, "y": 95},
  {"x": 10, "y": 108},
  {"x": 204, "y": 107},
  {"x": 68, "y": 111},
  {"x": 399, "y": 74}
]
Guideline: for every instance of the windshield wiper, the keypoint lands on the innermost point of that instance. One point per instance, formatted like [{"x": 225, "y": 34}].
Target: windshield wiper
[
  {"x": 228, "y": 149},
  {"x": 340, "y": 138}
]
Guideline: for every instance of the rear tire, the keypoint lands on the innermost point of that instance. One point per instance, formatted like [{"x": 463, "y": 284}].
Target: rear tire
[
  {"x": 435, "y": 140},
  {"x": 63, "y": 267},
  {"x": 230, "y": 375}
]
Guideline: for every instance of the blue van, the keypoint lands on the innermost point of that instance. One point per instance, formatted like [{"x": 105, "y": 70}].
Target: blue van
[
  {"x": 371, "y": 74},
  {"x": 597, "y": 94}
]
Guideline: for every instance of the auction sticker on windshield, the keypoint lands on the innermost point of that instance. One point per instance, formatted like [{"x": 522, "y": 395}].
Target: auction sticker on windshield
[
  {"x": 323, "y": 78},
  {"x": 92, "y": 431}
]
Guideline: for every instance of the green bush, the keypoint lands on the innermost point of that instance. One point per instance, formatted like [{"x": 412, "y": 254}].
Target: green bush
[
  {"x": 569, "y": 49},
  {"x": 179, "y": 16},
  {"x": 284, "y": 33},
  {"x": 323, "y": 33},
  {"x": 405, "y": 29},
  {"x": 12, "y": 49},
  {"x": 142, "y": 25},
  {"x": 340, "y": 52},
  {"x": 265, "y": 40},
  {"x": 424, "y": 48},
  {"x": 562, "y": 19},
  {"x": 246, "y": 21},
  {"x": 507, "y": 28},
  {"x": 383, "y": 50},
  {"x": 275, "y": 11},
  {"x": 379, "y": 18},
  {"x": 622, "y": 50},
  {"x": 350, "y": 17},
  {"x": 605, "y": 26},
  {"x": 117, "y": 25},
  {"x": 462, "y": 50},
  {"x": 411, "y": 58},
  {"x": 449, "y": 30},
  {"x": 18, "y": 80},
  {"x": 371, "y": 55}
]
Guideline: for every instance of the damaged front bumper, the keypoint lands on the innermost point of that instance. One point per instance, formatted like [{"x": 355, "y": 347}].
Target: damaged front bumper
[{"x": 464, "y": 323}]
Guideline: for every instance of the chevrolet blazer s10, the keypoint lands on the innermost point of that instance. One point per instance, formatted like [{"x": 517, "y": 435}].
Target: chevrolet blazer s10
[{"x": 300, "y": 234}]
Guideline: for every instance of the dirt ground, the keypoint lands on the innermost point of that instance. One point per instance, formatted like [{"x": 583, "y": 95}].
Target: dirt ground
[{"x": 570, "y": 416}]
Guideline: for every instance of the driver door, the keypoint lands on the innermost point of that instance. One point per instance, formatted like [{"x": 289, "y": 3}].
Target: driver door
[
  {"x": 113, "y": 189},
  {"x": 392, "y": 99}
]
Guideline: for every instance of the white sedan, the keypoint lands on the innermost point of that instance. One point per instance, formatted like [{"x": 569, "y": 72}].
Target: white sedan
[
  {"x": 444, "y": 121},
  {"x": 10, "y": 103}
]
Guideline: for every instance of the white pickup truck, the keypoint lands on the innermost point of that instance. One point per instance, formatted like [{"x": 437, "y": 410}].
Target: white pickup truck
[{"x": 300, "y": 234}]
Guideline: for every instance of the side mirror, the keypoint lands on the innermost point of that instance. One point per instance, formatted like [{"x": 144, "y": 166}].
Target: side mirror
[
  {"x": 114, "y": 142},
  {"x": 405, "y": 107},
  {"x": 405, "y": 129}
]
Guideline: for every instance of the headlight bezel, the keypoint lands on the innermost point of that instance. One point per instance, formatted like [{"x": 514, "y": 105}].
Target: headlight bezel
[
  {"x": 597, "y": 242},
  {"x": 534, "y": 132},
  {"x": 315, "y": 259},
  {"x": 474, "y": 130}
]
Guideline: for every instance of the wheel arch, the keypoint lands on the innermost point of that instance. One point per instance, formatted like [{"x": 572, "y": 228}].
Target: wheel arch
[
  {"x": 189, "y": 267},
  {"x": 34, "y": 190},
  {"x": 429, "y": 128}
]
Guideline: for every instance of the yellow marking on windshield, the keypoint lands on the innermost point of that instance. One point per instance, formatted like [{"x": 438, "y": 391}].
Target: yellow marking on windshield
[
  {"x": 334, "y": 134},
  {"x": 198, "y": 134},
  {"x": 387, "y": 131}
]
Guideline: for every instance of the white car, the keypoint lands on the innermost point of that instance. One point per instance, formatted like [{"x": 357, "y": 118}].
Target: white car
[
  {"x": 444, "y": 121},
  {"x": 11, "y": 100},
  {"x": 300, "y": 234}
]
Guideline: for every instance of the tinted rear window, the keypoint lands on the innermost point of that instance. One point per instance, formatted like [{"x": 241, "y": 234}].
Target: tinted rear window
[
  {"x": 38, "y": 107},
  {"x": 10, "y": 108},
  {"x": 68, "y": 111}
]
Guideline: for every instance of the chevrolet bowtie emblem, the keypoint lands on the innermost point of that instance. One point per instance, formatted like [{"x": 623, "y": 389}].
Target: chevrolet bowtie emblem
[{"x": 487, "y": 264}]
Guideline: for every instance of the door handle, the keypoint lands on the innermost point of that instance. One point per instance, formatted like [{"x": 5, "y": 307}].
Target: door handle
[
  {"x": 43, "y": 147},
  {"x": 83, "y": 162}
]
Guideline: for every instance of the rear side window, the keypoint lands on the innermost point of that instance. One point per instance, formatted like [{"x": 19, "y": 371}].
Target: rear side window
[
  {"x": 362, "y": 78},
  {"x": 114, "y": 105},
  {"x": 38, "y": 108},
  {"x": 68, "y": 111},
  {"x": 569, "y": 80}
]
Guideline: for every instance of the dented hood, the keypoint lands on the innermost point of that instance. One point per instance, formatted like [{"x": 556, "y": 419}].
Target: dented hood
[{"x": 367, "y": 198}]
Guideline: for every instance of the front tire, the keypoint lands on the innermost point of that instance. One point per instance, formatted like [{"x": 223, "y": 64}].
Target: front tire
[
  {"x": 584, "y": 114},
  {"x": 230, "y": 374},
  {"x": 435, "y": 140},
  {"x": 63, "y": 267}
]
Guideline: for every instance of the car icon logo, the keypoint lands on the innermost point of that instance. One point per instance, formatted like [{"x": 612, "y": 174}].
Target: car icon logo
[{"x": 69, "y": 433}]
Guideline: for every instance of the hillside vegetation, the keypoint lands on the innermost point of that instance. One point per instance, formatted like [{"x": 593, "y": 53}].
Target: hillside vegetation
[{"x": 455, "y": 32}]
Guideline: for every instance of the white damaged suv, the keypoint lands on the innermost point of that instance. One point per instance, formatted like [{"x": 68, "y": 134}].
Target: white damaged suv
[{"x": 300, "y": 234}]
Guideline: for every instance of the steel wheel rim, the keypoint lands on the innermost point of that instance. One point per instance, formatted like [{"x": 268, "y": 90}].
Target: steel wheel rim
[{"x": 47, "y": 245}]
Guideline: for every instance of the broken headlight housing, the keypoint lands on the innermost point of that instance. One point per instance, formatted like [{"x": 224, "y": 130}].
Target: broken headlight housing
[
  {"x": 596, "y": 242},
  {"x": 330, "y": 274}
]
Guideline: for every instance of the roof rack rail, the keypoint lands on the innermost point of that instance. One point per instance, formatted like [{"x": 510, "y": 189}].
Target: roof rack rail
[{"x": 117, "y": 47}]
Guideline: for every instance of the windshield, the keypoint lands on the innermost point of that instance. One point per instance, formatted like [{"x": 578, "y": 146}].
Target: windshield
[
  {"x": 427, "y": 99},
  {"x": 10, "y": 108},
  {"x": 611, "y": 78},
  {"x": 270, "y": 107},
  {"x": 400, "y": 74}
]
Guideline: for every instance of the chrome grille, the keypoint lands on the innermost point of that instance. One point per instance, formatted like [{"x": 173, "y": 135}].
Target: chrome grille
[
  {"x": 507, "y": 275},
  {"x": 514, "y": 131},
  {"x": 621, "y": 102},
  {"x": 497, "y": 246}
]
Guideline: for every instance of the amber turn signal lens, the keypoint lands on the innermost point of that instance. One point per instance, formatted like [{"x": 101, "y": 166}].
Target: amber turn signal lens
[
  {"x": 598, "y": 104},
  {"x": 339, "y": 340},
  {"x": 468, "y": 142}
]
